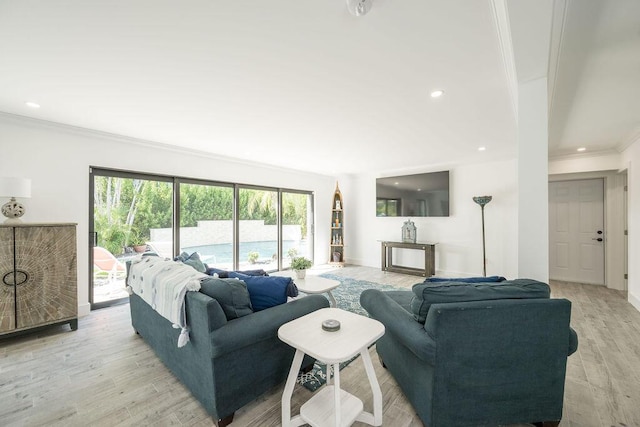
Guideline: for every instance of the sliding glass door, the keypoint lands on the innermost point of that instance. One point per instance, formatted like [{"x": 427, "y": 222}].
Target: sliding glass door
[
  {"x": 257, "y": 229},
  {"x": 297, "y": 226},
  {"x": 206, "y": 223},
  {"x": 230, "y": 226},
  {"x": 130, "y": 214}
]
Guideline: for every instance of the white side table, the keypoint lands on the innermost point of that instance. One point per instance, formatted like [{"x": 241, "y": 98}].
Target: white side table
[
  {"x": 312, "y": 284},
  {"x": 306, "y": 335}
]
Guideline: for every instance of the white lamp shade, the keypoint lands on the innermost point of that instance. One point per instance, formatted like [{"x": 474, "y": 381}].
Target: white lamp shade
[{"x": 15, "y": 187}]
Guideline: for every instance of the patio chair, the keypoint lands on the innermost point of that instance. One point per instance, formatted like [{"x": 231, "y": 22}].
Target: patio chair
[{"x": 105, "y": 261}]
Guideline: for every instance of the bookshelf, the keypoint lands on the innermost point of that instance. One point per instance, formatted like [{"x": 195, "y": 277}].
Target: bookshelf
[{"x": 336, "y": 254}]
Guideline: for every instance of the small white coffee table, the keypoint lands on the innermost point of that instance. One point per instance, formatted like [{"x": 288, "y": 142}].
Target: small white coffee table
[
  {"x": 306, "y": 335},
  {"x": 312, "y": 284}
]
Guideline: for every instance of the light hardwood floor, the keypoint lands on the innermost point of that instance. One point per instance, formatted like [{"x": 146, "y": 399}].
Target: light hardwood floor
[{"x": 103, "y": 374}]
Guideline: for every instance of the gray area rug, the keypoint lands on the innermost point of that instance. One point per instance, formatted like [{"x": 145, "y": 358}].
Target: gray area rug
[{"x": 347, "y": 297}]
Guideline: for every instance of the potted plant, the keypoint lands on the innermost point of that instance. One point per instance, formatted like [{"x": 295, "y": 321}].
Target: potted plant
[
  {"x": 300, "y": 265},
  {"x": 137, "y": 240},
  {"x": 253, "y": 257}
]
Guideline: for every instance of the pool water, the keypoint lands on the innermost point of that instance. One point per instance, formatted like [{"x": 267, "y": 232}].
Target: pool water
[{"x": 222, "y": 253}]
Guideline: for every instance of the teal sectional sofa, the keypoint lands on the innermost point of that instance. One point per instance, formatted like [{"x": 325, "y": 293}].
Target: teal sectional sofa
[
  {"x": 476, "y": 354},
  {"x": 229, "y": 360}
]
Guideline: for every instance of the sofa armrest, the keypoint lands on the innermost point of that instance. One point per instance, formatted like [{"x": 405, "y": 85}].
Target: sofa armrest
[
  {"x": 399, "y": 323},
  {"x": 262, "y": 325},
  {"x": 203, "y": 312}
]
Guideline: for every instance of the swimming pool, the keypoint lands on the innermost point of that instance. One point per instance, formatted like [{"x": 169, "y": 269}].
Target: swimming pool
[{"x": 222, "y": 253}]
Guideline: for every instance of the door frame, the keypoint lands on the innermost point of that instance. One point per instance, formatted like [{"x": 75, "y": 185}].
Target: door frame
[{"x": 614, "y": 181}]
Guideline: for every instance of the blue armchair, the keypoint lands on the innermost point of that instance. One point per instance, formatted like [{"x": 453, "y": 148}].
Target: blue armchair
[{"x": 497, "y": 356}]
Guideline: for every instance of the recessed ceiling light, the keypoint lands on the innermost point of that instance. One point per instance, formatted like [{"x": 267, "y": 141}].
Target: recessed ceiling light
[
  {"x": 396, "y": 183},
  {"x": 437, "y": 93},
  {"x": 582, "y": 149},
  {"x": 419, "y": 189},
  {"x": 32, "y": 104},
  {"x": 482, "y": 148}
]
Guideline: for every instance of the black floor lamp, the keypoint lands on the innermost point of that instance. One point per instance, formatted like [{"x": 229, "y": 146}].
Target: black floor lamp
[{"x": 483, "y": 200}]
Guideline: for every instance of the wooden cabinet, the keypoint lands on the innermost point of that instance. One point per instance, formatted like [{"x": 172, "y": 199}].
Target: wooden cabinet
[
  {"x": 39, "y": 279},
  {"x": 336, "y": 256}
]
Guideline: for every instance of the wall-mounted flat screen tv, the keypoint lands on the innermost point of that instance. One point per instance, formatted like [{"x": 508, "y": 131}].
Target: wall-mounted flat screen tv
[{"x": 424, "y": 194}]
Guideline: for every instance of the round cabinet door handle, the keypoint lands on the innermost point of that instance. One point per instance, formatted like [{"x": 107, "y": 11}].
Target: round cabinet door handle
[{"x": 599, "y": 239}]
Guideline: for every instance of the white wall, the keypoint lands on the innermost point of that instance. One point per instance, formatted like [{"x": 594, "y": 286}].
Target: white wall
[
  {"x": 533, "y": 189},
  {"x": 57, "y": 159},
  {"x": 631, "y": 159},
  {"x": 458, "y": 237}
]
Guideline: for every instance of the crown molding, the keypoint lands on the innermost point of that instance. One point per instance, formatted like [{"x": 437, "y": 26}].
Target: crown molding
[
  {"x": 573, "y": 156},
  {"x": 81, "y": 131},
  {"x": 633, "y": 137},
  {"x": 558, "y": 27},
  {"x": 503, "y": 31}
]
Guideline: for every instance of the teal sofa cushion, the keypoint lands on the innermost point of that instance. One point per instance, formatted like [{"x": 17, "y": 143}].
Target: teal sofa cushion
[
  {"x": 231, "y": 294},
  {"x": 428, "y": 293},
  {"x": 192, "y": 260}
]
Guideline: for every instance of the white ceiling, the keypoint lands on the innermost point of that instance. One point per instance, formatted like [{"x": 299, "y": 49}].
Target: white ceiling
[
  {"x": 303, "y": 84},
  {"x": 595, "y": 101}
]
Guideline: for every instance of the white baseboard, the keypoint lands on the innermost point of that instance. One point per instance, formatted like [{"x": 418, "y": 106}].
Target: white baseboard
[
  {"x": 84, "y": 309},
  {"x": 634, "y": 300},
  {"x": 353, "y": 261}
]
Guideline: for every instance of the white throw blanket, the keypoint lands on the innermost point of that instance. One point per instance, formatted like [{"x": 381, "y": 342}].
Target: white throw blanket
[{"x": 163, "y": 284}]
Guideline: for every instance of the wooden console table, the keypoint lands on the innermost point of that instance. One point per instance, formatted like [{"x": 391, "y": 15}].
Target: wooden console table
[{"x": 429, "y": 258}]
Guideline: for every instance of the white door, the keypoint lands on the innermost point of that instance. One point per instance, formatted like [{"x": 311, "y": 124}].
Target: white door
[{"x": 576, "y": 231}]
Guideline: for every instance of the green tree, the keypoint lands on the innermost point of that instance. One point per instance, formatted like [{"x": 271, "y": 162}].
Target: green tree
[
  {"x": 204, "y": 202},
  {"x": 125, "y": 207},
  {"x": 258, "y": 205},
  {"x": 154, "y": 208},
  {"x": 294, "y": 210},
  {"x": 114, "y": 210}
]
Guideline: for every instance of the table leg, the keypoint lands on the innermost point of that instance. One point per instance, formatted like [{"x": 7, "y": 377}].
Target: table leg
[
  {"x": 336, "y": 394},
  {"x": 332, "y": 300},
  {"x": 376, "y": 418},
  {"x": 288, "y": 388}
]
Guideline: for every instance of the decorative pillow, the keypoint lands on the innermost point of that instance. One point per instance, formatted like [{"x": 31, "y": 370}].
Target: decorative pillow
[
  {"x": 267, "y": 291},
  {"x": 426, "y": 294},
  {"x": 467, "y": 279},
  {"x": 231, "y": 294},
  {"x": 192, "y": 260},
  {"x": 292, "y": 289}
]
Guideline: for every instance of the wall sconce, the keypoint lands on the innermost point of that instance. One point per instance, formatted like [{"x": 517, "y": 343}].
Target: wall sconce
[{"x": 14, "y": 187}]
